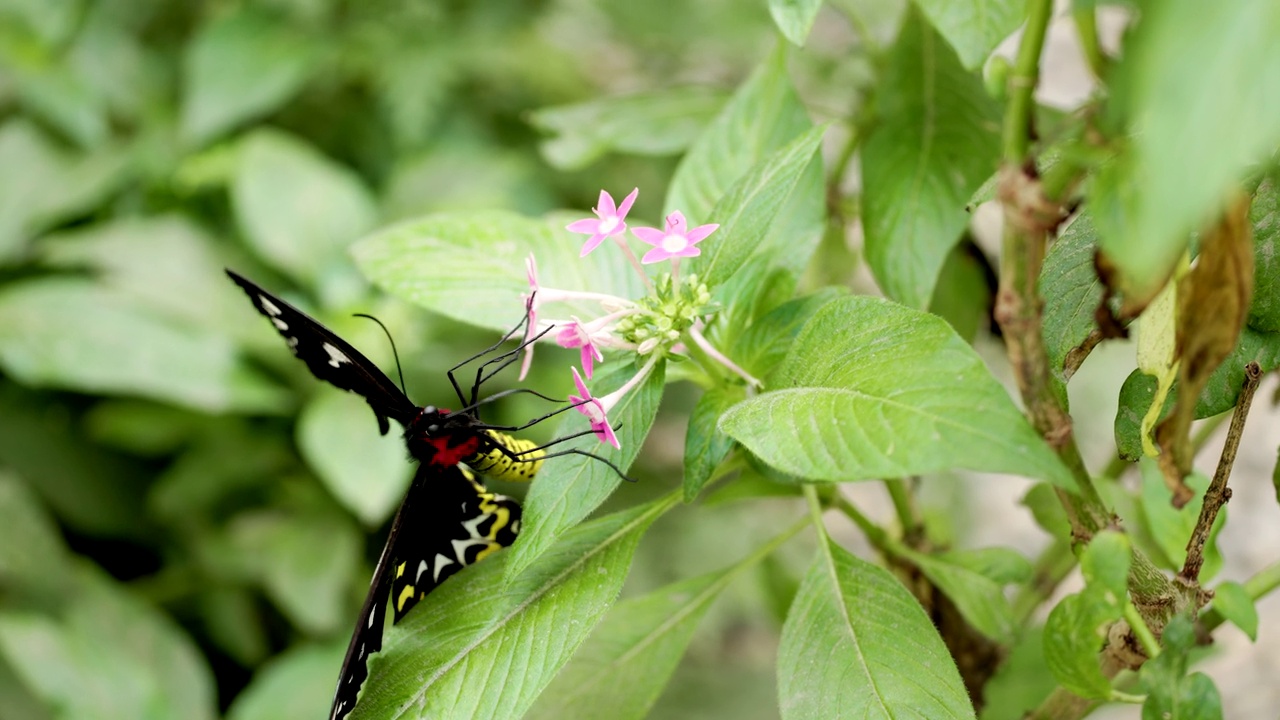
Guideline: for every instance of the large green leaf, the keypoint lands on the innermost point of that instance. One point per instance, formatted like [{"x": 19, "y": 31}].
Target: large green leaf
[
  {"x": 1201, "y": 94},
  {"x": 471, "y": 267},
  {"x": 75, "y": 334},
  {"x": 298, "y": 209},
  {"x": 974, "y": 29},
  {"x": 482, "y": 647},
  {"x": 367, "y": 472},
  {"x": 664, "y": 122},
  {"x": 872, "y": 389},
  {"x": 33, "y": 556},
  {"x": 569, "y": 488},
  {"x": 109, "y": 656},
  {"x": 856, "y": 644},
  {"x": 296, "y": 685},
  {"x": 933, "y": 142},
  {"x": 241, "y": 65}
]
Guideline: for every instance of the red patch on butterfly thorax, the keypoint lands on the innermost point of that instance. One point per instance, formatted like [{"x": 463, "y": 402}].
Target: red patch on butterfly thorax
[{"x": 449, "y": 450}]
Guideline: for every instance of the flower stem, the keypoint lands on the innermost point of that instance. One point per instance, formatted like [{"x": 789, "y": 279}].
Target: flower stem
[{"x": 705, "y": 345}]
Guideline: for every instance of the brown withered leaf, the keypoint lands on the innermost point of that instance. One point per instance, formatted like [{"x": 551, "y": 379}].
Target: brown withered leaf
[{"x": 1213, "y": 302}]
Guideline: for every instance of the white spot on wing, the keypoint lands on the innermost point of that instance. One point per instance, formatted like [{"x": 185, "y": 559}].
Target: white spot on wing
[
  {"x": 280, "y": 324},
  {"x": 422, "y": 567},
  {"x": 336, "y": 356},
  {"x": 441, "y": 561},
  {"x": 269, "y": 306}
]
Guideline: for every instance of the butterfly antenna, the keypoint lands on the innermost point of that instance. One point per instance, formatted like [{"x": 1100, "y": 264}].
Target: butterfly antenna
[{"x": 394, "y": 353}]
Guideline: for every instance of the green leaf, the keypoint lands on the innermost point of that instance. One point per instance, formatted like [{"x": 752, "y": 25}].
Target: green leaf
[
  {"x": 979, "y": 598},
  {"x": 306, "y": 564},
  {"x": 296, "y": 685},
  {"x": 1170, "y": 528},
  {"x": 1070, "y": 284},
  {"x": 873, "y": 389},
  {"x": 1264, "y": 216},
  {"x": 856, "y": 644},
  {"x": 234, "y": 622},
  {"x": 1232, "y": 601},
  {"x": 1047, "y": 509},
  {"x": 569, "y": 488},
  {"x": 74, "y": 334},
  {"x": 1022, "y": 681},
  {"x": 705, "y": 446},
  {"x": 664, "y": 122},
  {"x": 1170, "y": 90},
  {"x": 974, "y": 29},
  {"x": 935, "y": 139},
  {"x": 1172, "y": 694},
  {"x": 298, "y": 209},
  {"x": 623, "y": 667},
  {"x": 762, "y": 347},
  {"x": 964, "y": 293},
  {"x": 33, "y": 556},
  {"x": 1076, "y": 630},
  {"x": 368, "y": 473},
  {"x": 239, "y": 66},
  {"x": 471, "y": 266},
  {"x": 795, "y": 18},
  {"x": 483, "y": 647},
  {"x": 109, "y": 656},
  {"x": 747, "y": 210}
]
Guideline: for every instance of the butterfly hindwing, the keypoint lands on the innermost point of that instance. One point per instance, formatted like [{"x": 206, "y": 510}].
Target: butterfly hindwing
[
  {"x": 331, "y": 358},
  {"x": 447, "y": 521}
]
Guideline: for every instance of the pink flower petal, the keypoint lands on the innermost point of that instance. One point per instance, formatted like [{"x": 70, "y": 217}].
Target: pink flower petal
[
  {"x": 592, "y": 243},
  {"x": 604, "y": 206},
  {"x": 700, "y": 232},
  {"x": 676, "y": 223},
  {"x": 589, "y": 355},
  {"x": 605, "y": 432},
  {"x": 689, "y": 251},
  {"x": 652, "y": 236},
  {"x": 586, "y": 226},
  {"x": 582, "y": 387},
  {"x": 657, "y": 254},
  {"x": 627, "y": 202}
]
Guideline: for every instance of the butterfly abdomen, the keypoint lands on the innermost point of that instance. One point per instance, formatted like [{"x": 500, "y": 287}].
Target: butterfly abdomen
[{"x": 521, "y": 461}]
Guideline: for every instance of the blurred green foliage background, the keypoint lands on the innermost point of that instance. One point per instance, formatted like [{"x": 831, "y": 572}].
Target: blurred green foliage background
[{"x": 186, "y": 515}]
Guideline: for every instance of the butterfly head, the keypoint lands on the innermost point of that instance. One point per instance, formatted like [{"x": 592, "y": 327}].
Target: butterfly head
[{"x": 439, "y": 437}]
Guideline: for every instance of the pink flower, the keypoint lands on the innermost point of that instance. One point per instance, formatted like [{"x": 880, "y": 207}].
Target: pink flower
[
  {"x": 575, "y": 335},
  {"x": 594, "y": 410},
  {"x": 677, "y": 242},
  {"x": 531, "y": 311},
  {"x": 608, "y": 221}
]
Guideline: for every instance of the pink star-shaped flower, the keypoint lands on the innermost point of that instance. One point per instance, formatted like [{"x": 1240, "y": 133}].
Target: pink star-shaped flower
[
  {"x": 531, "y": 309},
  {"x": 608, "y": 221},
  {"x": 676, "y": 242},
  {"x": 595, "y": 412},
  {"x": 575, "y": 335}
]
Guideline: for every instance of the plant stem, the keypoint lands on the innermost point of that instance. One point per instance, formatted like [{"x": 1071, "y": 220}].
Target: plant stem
[
  {"x": 1022, "y": 82},
  {"x": 1150, "y": 645},
  {"x": 1087, "y": 28},
  {"x": 905, "y": 506}
]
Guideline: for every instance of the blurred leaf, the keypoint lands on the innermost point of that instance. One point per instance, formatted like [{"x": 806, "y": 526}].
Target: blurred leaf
[
  {"x": 872, "y": 389},
  {"x": 234, "y": 624},
  {"x": 934, "y": 141},
  {"x": 795, "y": 18},
  {"x": 296, "y": 685},
  {"x": 110, "y": 656},
  {"x": 1172, "y": 693},
  {"x": 1076, "y": 630},
  {"x": 140, "y": 427},
  {"x": 200, "y": 483},
  {"x": 52, "y": 186},
  {"x": 471, "y": 267},
  {"x": 90, "y": 490},
  {"x": 74, "y": 334},
  {"x": 964, "y": 293},
  {"x": 1042, "y": 500},
  {"x": 1170, "y": 527},
  {"x": 750, "y": 485},
  {"x": 1208, "y": 85},
  {"x": 495, "y": 178},
  {"x": 486, "y": 643},
  {"x": 1068, "y": 276},
  {"x": 1023, "y": 680},
  {"x": 50, "y": 90},
  {"x": 297, "y": 208},
  {"x": 974, "y": 29},
  {"x": 1264, "y": 216},
  {"x": 306, "y": 563},
  {"x": 367, "y": 472},
  {"x": 622, "y": 668},
  {"x": 705, "y": 446},
  {"x": 32, "y": 554},
  {"x": 763, "y": 345},
  {"x": 750, "y": 206},
  {"x": 978, "y": 596},
  {"x": 52, "y": 22},
  {"x": 569, "y": 488},
  {"x": 17, "y": 699},
  {"x": 239, "y": 66},
  {"x": 1232, "y": 601},
  {"x": 165, "y": 262},
  {"x": 663, "y": 122},
  {"x": 837, "y": 661}
]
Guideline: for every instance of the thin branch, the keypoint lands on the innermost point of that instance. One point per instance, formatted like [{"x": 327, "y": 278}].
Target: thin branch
[{"x": 1218, "y": 492}]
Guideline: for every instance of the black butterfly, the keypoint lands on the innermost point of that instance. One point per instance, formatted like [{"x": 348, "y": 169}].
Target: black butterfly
[{"x": 448, "y": 519}]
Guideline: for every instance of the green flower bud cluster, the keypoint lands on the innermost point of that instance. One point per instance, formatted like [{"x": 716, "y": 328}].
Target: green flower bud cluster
[{"x": 667, "y": 313}]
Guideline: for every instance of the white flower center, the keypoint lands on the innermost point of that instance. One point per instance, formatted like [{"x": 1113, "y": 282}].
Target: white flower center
[
  {"x": 608, "y": 224},
  {"x": 674, "y": 243}
]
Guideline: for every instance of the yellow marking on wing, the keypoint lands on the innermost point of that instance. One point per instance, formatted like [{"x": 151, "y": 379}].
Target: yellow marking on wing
[
  {"x": 405, "y": 596},
  {"x": 488, "y": 550},
  {"x": 399, "y": 570}
]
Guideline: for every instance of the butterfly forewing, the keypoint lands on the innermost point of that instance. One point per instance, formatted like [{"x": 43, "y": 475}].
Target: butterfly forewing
[
  {"x": 446, "y": 522},
  {"x": 330, "y": 358}
]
